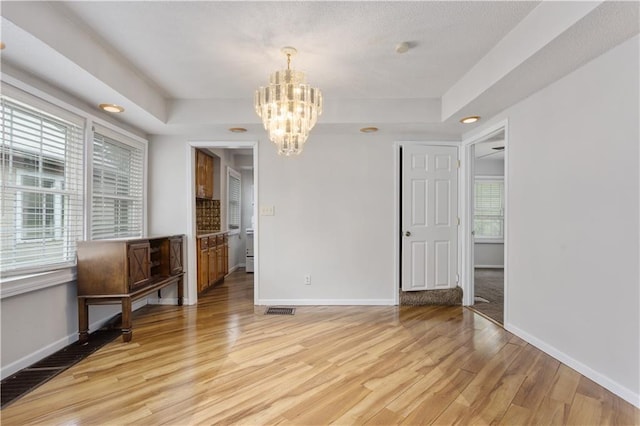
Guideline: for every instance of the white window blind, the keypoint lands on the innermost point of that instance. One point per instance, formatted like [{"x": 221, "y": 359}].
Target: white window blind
[
  {"x": 489, "y": 209},
  {"x": 233, "y": 197},
  {"x": 117, "y": 187},
  {"x": 42, "y": 187}
]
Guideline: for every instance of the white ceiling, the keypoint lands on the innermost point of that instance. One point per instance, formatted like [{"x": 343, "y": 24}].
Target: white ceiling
[
  {"x": 192, "y": 67},
  {"x": 200, "y": 50}
]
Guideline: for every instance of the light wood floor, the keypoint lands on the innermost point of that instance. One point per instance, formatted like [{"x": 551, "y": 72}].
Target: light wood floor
[{"x": 225, "y": 362}]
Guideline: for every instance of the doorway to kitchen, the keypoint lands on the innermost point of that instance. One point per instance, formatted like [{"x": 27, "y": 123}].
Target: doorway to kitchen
[{"x": 230, "y": 209}]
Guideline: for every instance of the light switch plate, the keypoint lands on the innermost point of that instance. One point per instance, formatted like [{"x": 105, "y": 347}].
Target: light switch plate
[{"x": 267, "y": 210}]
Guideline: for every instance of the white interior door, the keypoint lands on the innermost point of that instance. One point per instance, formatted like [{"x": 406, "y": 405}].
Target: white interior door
[{"x": 429, "y": 217}]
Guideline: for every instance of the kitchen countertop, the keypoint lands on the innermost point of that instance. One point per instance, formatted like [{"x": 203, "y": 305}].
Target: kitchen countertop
[{"x": 208, "y": 233}]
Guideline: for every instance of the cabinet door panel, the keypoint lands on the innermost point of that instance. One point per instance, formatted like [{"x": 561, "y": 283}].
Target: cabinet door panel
[
  {"x": 203, "y": 269},
  {"x": 204, "y": 175},
  {"x": 175, "y": 255},
  {"x": 213, "y": 266},
  {"x": 209, "y": 177},
  {"x": 226, "y": 258},
  {"x": 139, "y": 265},
  {"x": 219, "y": 261}
]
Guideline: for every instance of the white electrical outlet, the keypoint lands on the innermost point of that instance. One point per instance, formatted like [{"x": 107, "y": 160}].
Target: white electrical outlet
[{"x": 307, "y": 279}]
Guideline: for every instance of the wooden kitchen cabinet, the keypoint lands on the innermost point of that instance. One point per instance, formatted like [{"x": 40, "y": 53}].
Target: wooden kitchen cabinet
[
  {"x": 203, "y": 264},
  {"x": 124, "y": 270},
  {"x": 204, "y": 175},
  {"x": 213, "y": 260},
  {"x": 225, "y": 253}
]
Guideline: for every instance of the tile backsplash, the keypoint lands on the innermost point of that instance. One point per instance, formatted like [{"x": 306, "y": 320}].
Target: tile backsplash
[{"x": 207, "y": 215}]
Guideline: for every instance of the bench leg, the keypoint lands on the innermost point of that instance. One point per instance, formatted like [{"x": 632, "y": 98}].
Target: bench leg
[
  {"x": 126, "y": 319},
  {"x": 83, "y": 320},
  {"x": 180, "y": 287}
]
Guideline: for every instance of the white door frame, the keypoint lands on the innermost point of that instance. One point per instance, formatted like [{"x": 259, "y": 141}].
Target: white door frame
[
  {"x": 191, "y": 290},
  {"x": 397, "y": 208},
  {"x": 466, "y": 182}
]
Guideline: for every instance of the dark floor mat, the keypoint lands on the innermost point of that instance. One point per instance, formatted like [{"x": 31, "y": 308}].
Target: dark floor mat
[{"x": 27, "y": 379}]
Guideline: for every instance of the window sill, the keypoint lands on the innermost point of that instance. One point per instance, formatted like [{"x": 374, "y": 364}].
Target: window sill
[
  {"x": 14, "y": 286},
  {"x": 487, "y": 241}
]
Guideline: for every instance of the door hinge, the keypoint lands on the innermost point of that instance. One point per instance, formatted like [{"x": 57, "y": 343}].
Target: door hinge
[
  {"x": 458, "y": 221},
  {"x": 459, "y": 163},
  {"x": 457, "y": 278}
]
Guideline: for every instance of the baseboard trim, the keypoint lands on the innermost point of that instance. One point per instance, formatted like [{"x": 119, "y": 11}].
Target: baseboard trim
[
  {"x": 53, "y": 347},
  {"x": 163, "y": 301},
  {"x": 327, "y": 302},
  {"x": 604, "y": 381}
]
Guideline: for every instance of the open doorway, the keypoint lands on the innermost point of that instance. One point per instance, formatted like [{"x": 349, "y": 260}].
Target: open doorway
[
  {"x": 232, "y": 209},
  {"x": 233, "y": 190},
  {"x": 486, "y": 260}
]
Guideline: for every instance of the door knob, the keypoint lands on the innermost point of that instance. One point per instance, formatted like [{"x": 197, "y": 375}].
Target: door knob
[{"x": 407, "y": 234}]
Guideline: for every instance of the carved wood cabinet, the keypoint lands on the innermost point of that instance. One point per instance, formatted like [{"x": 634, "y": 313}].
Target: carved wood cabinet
[{"x": 121, "y": 271}]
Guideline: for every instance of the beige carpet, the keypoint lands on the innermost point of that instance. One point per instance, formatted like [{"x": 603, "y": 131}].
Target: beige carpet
[
  {"x": 448, "y": 297},
  {"x": 489, "y": 293}
]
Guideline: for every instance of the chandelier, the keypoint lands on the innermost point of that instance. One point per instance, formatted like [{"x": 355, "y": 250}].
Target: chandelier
[{"x": 289, "y": 107}]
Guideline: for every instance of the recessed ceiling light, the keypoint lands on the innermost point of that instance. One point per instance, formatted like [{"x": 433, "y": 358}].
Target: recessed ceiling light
[
  {"x": 470, "y": 119},
  {"x": 369, "y": 129},
  {"x": 111, "y": 108},
  {"x": 237, "y": 129}
]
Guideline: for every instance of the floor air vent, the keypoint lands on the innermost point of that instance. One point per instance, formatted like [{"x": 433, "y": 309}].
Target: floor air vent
[
  {"x": 272, "y": 310},
  {"x": 27, "y": 379}
]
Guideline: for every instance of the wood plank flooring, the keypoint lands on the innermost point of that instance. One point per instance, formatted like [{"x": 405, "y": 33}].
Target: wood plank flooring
[{"x": 224, "y": 362}]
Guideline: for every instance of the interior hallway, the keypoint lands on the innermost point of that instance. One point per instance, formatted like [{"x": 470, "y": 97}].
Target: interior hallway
[{"x": 223, "y": 361}]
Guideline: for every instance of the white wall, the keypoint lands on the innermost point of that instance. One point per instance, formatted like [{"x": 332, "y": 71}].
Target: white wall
[
  {"x": 488, "y": 255},
  {"x": 573, "y": 195},
  {"x": 488, "y": 166},
  {"x": 38, "y": 323},
  {"x": 236, "y": 251},
  {"x": 168, "y": 185},
  {"x": 167, "y": 199},
  {"x": 333, "y": 220}
]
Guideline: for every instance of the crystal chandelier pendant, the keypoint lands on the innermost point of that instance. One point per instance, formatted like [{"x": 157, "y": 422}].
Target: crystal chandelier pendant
[{"x": 289, "y": 107}]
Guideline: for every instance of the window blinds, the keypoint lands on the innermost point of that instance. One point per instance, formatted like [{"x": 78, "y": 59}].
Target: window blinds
[
  {"x": 233, "y": 196},
  {"x": 489, "y": 209},
  {"x": 117, "y": 188},
  {"x": 42, "y": 188}
]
